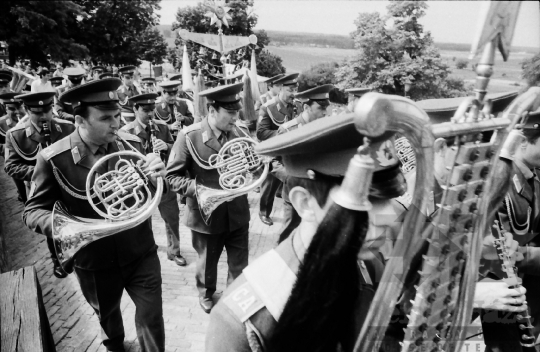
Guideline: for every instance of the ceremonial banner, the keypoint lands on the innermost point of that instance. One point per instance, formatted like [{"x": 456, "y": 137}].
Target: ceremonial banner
[
  {"x": 209, "y": 40},
  {"x": 497, "y": 17}
]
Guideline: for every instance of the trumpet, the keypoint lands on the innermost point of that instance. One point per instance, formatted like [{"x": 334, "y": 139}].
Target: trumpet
[
  {"x": 124, "y": 197},
  {"x": 237, "y": 163}
]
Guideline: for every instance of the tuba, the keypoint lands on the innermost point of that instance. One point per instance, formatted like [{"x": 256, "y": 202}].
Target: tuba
[
  {"x": 237, "y": 165},
  {"x": 124, "y": 197}
]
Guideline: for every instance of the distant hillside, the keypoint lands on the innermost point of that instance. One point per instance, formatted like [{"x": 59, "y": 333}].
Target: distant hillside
[{"x": 320, "y": 40}]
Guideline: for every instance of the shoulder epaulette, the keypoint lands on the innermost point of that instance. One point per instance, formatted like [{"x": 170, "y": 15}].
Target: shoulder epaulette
[
  {"x": 18, "y": 127},
  {"x": 158, "y": 100},
  {"x": 128, "y": 136},
  {"x": 191, "y": 128},
  {"x": 269, "y": 102},
  {"x": 56, "y": 148},
  {"x": 62, "y": 121}
]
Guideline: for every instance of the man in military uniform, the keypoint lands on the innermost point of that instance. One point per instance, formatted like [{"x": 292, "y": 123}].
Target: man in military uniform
[
  {"x": 127, "y": 89},
  {"x": 273, "y": 91},
  {"x": 124, "y": 261},
  {"x": 188, "y": 166},
  {"x": 316, "y": 101},
  {"x": 247, "y": 315},
  {"x": 354, "y": 95},
  {"x": 56, "y": 81},
  {"x": 26, "y": 140},
  {"x": 5, "y": 78},
  {"x": 15, "y": 111},
  {"x": 96, "y": 71},
  {"x": 149, "y": 84},
  {"x": 63, "y": 108},
  {"x": 156, "y": 138},
  {"x": 173, "y": 110},
  {"x": 273, "y": 114}
]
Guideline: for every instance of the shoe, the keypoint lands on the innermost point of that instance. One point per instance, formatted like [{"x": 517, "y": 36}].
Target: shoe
[
  {"x": 57, "y": 270},
  {"x": 178, "y": 259},
  {"x": 206, "y": 304},
  {"x": 266, "y": 219}
]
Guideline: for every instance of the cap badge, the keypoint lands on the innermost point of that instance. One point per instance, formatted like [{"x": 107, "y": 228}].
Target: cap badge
[
  {"x": 311, "y": 174},
  {"x": 12, "y": 99},
  {"x": 40, "y": 102},
  {"x": 535, "y": 125},
  {"x": 149, "y": 101},
  {"x": 111, "y": 95}
]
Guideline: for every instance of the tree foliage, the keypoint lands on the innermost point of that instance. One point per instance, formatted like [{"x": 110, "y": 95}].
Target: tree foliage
[
  {"x": 531, "y": 70},
  {"x": 193, "y": 19},
  {"x": 390, "y": 56},
  {"x": 318, "y": 75},
  {"x": 106, "y": 31},
  {"x": 152, "y": 46},
  {"x": 35, "y": 29}
]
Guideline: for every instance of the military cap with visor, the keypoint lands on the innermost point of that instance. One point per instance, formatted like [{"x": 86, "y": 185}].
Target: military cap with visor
[
  {"x": 144, "y": 99},
  {"x": 271, "y": 80},
  {"x": 5, "y": 76},
  {"x": 105, "y": 75},
  {"x": 288, "y": 80},
  {"x": 227, "y": 96},
  {"x": 323, "y": 149},
  {"x": 532, "y": 122},
  {"x": 176, "y": 77},
  {"x": 148, "y": 80},
  {"x": 320, "y": 95},
  {"x": 75, "y": 74},
  {"x": 358, "y": 92},
  {"x": 98, "y": 68},
  {"x": 37, "y": 102},
  {"x": 11, "y": 98},
  {"x": 170, "y": 86},
  {"x": 56, "y": 81},
  {"x": 126, "y": 70},
  {"x": 100, "y": 94}
]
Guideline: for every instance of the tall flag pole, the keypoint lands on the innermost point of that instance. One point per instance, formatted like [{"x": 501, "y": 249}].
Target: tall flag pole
[{"x": 187, "y": 81}]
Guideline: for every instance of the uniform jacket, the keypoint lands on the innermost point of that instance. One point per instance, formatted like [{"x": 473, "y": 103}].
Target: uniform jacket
[
  {"x": 272, "y": 115},
  {"x": 264, "y": 98},
  {"x": 60, "y": 175},
  {"x": 291, "y": 125},
  {"x": 124, "y": 93},
  {"x": 161, "y": 130},
  {"x": 24, "y": 142},
  {"x": 180, "y": 106},
  {"x": 6, "y": 123},
  {"x": 183, "y": 169},
  {"x": 250, "y": 311}
]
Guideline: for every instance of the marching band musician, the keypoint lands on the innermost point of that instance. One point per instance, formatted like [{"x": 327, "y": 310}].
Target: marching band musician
[
  {"x": 315, "y": 158},
  {"x": 316, "y": 101},
  {"x": 64, "y": 110},
  {"x": 124, "y": 261},
  {"x": 156, "y": 138},
  {"x": 354, "y": 95},
  {"x": 96, "y": 72},
  {"x": 127, "y": 89},
  {"x": 149, "y": 85},
  {"x": 15, "y": 112},
  {"x": 173, "y": 110},
  {"x": 188, "y": 165},
  {"x": 5, "y": 78},
  {"x": 106, "y": 75},
  {"x": 273, "y": 91},
  {"x": 25, "y": 141},
  {"x": 273, "y": 114}
]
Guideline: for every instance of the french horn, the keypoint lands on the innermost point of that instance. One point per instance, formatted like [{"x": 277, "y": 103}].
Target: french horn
[
  {"x": 237, "y": 165},
  {"x": 124, "y": 197}
]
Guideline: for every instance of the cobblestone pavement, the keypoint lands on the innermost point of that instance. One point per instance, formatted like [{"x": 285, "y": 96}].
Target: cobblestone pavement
[{"x": 74, "y": 324}]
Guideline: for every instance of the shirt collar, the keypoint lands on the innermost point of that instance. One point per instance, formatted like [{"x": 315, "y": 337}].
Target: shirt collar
[
  {"x": 93, "y": 148},
  {"x": 36, "y": 127}
]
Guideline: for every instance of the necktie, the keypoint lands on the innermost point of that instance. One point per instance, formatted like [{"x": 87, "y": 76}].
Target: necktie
[{"x": 222, "y": 139}]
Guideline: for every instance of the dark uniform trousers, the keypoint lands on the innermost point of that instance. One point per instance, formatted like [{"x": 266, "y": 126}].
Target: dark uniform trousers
[
  {"x": 168, "y": 207},
  {"x": 228, "y": 224},
  {"x": 272, "y": 112},
  {"x": 126, "y": 260},
  {"x": 519, "y": 214},
  {"x": 22, "y": 145},
  {"x": 6, "y": 123}
]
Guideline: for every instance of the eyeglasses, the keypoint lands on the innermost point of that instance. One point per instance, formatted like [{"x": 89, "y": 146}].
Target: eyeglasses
[{"x": 171, "y": 92}]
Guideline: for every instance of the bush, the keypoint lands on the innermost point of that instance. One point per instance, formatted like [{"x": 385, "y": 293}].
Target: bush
[{"x": 462, "y": 64}]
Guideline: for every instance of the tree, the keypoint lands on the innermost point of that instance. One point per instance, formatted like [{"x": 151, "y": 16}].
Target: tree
[
  {"x": 35, "y": 29},
  {"x": 388, "y": 58},
  {"x": 268, "y": 64},
  {"x": 531, "y": 70},
  {"x": 193, "y": 19},
  {"x": 318, "y": 75},
  {"x": 111, "y": 29},
  {"x": 172, "y": 56},
  {"x": 152, "y": 46}
]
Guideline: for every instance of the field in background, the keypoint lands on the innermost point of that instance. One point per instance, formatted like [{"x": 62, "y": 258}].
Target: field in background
[{"x": 506, "y": 76}]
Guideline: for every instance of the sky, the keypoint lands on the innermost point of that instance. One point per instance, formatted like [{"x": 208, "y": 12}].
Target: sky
[{"x": 448, "y": 21}]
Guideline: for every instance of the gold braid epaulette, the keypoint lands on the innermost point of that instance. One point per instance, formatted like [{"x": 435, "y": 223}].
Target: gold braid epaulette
[
  {"x": 26, "y": 156},
  {"x": 65, "y": 187}
]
